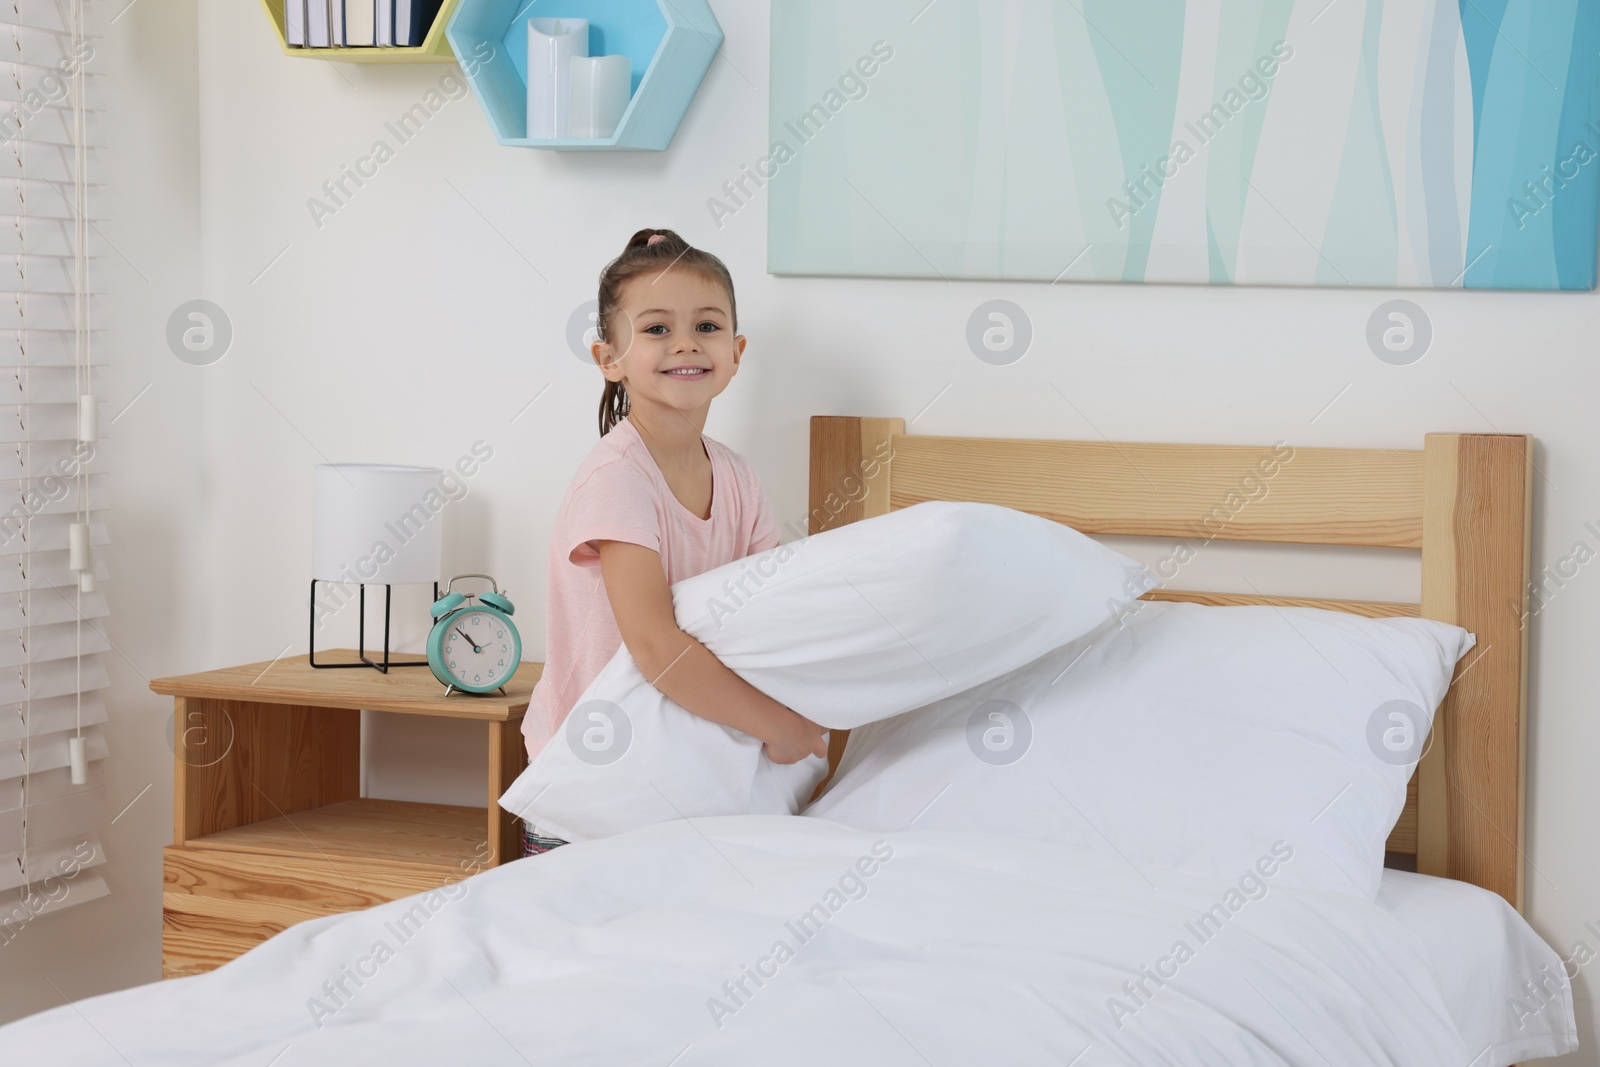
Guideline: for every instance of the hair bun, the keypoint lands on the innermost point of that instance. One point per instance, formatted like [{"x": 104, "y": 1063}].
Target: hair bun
[{"x": 651, "y": 238}]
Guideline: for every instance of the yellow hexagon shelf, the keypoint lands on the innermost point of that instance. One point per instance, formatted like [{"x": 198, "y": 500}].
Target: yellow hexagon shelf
[{"x": 435, "y": 48}]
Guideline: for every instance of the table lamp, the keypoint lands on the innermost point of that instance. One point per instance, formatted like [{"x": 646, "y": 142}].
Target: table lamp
[{"x": 375, "y": 524}]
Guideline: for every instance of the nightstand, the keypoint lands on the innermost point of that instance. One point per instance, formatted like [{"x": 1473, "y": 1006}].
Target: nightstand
[{"x": 269, "y": 827}]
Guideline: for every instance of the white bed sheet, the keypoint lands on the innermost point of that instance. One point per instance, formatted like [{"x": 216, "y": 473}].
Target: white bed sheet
[
  {"x": 958, "y": 949},
  {"x": 1483, "y": 955}
]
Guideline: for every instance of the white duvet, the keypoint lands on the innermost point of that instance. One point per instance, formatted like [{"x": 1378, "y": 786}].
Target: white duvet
[{"x": 766, "y": 939}]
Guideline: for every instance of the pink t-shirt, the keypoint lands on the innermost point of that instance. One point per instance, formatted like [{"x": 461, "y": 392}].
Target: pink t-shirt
[{"x": 619, "y": 494}]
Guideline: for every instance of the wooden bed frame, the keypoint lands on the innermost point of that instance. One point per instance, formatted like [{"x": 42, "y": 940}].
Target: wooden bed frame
[{"x": 1463, "y": 500}]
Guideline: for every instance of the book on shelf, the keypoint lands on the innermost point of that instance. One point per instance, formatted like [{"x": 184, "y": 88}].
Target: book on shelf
[
  {"x": 316, "y": 23},
  {"x": 336, "y": 23},
  {"x": 384, "y": 19},
  {"x": 413, "y": 19},
  {"x": 359, "y": 23}
]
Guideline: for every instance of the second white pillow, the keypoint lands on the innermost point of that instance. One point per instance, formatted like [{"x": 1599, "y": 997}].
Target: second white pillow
[{"x": 1190, "y": 737}]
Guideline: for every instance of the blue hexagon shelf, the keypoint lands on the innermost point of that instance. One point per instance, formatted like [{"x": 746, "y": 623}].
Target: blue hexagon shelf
[{"x": 671, "y": 44}]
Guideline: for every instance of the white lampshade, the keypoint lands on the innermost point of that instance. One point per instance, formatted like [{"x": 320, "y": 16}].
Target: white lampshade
[{"x": 377, "y": 524}]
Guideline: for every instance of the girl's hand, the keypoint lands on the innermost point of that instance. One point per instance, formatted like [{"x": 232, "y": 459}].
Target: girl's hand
[{"x": 795, "y": 739}]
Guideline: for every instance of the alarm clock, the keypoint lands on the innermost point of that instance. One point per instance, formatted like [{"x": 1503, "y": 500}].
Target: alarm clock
[{"x": 474, "y": 646}]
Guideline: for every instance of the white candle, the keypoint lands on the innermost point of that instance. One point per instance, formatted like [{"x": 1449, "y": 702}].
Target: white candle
[
  {"x": 552, "y": 44},
  {"x": 600, "y": 90}
]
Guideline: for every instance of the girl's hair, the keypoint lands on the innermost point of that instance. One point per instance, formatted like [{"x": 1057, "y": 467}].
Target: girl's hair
[{"x": 641, "y": 256}]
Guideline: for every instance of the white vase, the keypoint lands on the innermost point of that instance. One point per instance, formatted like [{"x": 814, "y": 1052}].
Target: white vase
[
  {"x": 552, "y": 44},
  {"x": 600, "y": 91}
]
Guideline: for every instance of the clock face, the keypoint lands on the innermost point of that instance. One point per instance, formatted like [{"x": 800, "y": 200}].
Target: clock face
[{"x": 479, "y": 649}]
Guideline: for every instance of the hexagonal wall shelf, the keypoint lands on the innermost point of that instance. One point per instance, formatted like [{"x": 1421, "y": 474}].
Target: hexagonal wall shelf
[{"x": 670, "y": 43}]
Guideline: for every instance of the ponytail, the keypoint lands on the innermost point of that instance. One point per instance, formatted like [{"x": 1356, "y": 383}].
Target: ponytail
[{"x": 613, "y": 406}]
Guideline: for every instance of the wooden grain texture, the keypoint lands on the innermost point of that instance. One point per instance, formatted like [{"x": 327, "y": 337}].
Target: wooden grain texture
[
  {"x": 1325, "y": 496},
  {"x": 1439, "y": 564},
  {"x": 412, "y": 691},
  {"x": 217, "y": 904},
  {"x": 1403, "y": 838},
  {"x": 1371, "y": 609},
  {"x": 851, "y": 460},
  {"x": 180, "y": 772},
  {"x": 322, "y": 885},
  {"x": 1475, "y": 565},
  {"x": 392, "y": 831},
  {"x": 243, "y": 762},
  {"x": 508, "y": 756},
  {"x": 195, "y": 944},
  {"x": 261, "y": 914}
]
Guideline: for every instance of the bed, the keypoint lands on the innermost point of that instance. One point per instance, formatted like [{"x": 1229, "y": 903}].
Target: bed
[{"x": 783, "y": 939}]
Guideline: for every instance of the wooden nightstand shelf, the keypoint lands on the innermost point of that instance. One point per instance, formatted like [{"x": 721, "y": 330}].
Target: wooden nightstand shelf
[{"x": 269, "y": 827}]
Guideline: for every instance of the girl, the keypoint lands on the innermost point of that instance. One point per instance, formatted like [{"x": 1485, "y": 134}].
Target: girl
[{"x": 655, "y": 502}]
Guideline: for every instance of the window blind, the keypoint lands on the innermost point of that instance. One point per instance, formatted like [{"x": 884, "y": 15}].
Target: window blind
[{"x": 52, "y": 465}]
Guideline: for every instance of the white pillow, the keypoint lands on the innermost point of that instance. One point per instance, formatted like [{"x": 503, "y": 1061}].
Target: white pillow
[
  {"x": 845, "y": 627},
  {"x": 1189, "y": 736}
]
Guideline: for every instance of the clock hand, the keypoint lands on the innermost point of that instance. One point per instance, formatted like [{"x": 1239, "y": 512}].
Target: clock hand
[{"x": 469, "y": 640}]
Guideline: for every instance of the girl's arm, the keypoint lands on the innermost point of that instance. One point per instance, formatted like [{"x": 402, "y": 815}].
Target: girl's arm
[{"x": 683, "y": 668}]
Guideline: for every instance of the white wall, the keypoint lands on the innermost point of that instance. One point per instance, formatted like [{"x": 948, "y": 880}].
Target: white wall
[
  {"x": 430, "y": 309},
  {"x": 153, "y": 451}
]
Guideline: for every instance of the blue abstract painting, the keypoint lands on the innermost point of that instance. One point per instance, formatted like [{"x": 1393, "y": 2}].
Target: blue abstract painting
[{"x": 1379, "y": 143}]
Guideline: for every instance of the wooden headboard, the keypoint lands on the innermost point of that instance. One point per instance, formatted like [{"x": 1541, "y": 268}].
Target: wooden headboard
[{"x": 1464, "y": 501}]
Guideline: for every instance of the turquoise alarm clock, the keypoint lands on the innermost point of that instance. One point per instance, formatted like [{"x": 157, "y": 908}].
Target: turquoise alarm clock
[{"x": 474, "y": 647}]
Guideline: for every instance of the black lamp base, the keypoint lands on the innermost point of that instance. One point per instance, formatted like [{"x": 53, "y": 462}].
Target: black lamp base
[{"x": 361, "y": 641}]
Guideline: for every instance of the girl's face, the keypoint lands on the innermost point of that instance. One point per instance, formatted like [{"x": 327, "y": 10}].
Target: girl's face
[{"x": 674, "y": 342}]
